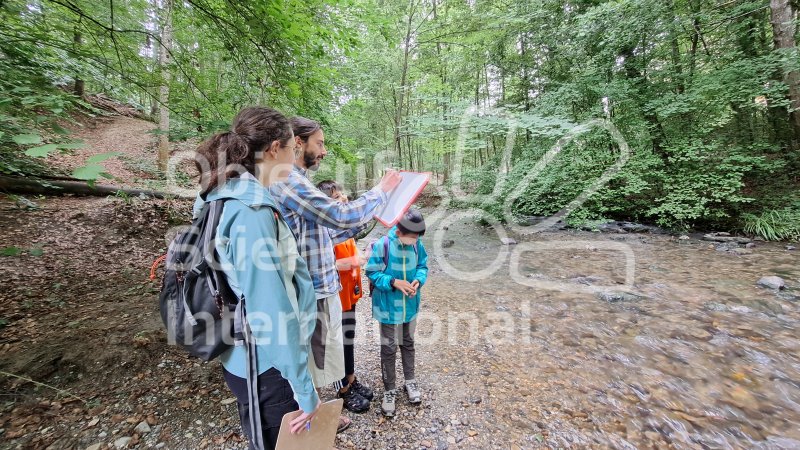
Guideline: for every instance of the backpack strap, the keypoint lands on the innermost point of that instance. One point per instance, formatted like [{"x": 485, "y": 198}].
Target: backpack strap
[{"x": 385, "y": 251}]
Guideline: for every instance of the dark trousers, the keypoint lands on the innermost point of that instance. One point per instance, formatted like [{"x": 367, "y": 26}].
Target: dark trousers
[
  {"x": 349, "y": 334},
  {"x": 275, "y": 397},
  {"x": 391, "y": 337}
]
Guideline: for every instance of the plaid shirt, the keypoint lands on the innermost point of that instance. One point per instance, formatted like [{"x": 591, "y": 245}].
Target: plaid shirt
[{"x": 319, "y": 222}]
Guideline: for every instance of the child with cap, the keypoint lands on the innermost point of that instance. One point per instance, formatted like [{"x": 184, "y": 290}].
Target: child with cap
[{"x": 398, "y": 269}]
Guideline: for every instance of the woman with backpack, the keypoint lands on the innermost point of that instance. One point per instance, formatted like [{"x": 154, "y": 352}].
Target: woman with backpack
[{"x": 258, "y": 254}]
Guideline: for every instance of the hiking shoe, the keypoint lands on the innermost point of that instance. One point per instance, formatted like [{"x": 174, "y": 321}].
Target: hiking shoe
[
  {"x": 387, "y": 405},
  {"x": 414, "y": 396},
  {"x": 353, "y": 401},
  {"x": 362, "y": 390}
]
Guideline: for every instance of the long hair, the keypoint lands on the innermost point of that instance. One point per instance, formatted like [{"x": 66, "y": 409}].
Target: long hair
[
  {"x": 227, "y": 155},
  {"x": 304, "y": 128}
]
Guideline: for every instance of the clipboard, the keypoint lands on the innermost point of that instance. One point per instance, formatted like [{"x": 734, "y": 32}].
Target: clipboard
[
  {"x": 322, "y": 432},
  {"x": 401, "y": 198}
]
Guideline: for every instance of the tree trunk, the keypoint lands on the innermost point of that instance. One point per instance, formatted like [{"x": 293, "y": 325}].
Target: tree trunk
[
  {"x": 677, "y": 64},
  {"x": 163, "y": 92},
  {"x": 403, "y": 81},
  {"x": 525, "y": 85},
  {"x": 52, "y": 187},
  {"x": 80, "y": 85},
  {"x": 783, "y": 32}
]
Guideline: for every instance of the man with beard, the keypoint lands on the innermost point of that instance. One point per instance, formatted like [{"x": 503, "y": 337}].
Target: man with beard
[{"x": 319, "y": 222}]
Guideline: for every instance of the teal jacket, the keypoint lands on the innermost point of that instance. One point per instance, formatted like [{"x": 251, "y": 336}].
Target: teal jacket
[
  {"x": 389, "y": 305},
  {"x": 281, "y": 316}
]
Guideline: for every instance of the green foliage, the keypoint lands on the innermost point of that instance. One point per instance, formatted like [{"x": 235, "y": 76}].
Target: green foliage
[
  {"x": 24, "y": 139},
  {"x": 16, "y": 251},
  {"x": 42, "y": 151},
  {"x": 775, "y": 225},
  {"x": 10, "y": 251},
  {"x": 225, "y": 55},
  {"x": 702, "y": 110}
]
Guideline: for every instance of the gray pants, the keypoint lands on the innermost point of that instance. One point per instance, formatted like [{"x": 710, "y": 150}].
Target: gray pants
[{"x": 391, "y": 336}]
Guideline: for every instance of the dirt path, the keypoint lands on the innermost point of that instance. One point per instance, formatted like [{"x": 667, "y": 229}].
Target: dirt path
[{"x": 130, "y": 137}]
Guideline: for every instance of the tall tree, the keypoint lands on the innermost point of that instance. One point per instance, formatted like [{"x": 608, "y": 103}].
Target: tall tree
[
  {"x": 784, "y": 29},
  {"x": 165, "y": 16}
]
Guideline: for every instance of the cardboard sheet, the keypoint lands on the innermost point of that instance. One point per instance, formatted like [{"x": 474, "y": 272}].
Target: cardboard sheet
[{"x": 321, "y": 434}]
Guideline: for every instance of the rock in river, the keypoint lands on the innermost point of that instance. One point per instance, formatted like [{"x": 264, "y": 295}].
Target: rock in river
[{"x": 772, "y": 282}]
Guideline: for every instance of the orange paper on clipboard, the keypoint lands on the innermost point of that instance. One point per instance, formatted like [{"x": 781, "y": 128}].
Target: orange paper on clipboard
[
  {"x": 321, "y": 433},
  {"x": 401, "y": 198}
]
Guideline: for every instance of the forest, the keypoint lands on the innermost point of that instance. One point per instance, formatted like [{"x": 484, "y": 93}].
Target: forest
[
  {"x": 705, "y": 93},
  {"x": 613, "y": 214}
]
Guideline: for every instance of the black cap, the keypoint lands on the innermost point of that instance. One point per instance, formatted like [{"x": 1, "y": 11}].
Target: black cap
[{"x": 412, "y": 222}]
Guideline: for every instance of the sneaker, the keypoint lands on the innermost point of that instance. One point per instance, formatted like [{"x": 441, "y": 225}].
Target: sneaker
[
  {"x": 353, "y": 401},
  {"x": 414, "y": 396},
  {"x": 362, "y": 390},
  {"x": 387, "y": 405}
]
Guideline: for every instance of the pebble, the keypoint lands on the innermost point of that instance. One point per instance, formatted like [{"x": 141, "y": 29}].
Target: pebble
[
  {"x": 122, "y": 442},
  {"x": 508, "y": 241},
  {"x": 161, "y": 445},
  {"x": 617, "y": 297},
  {"x": 791, "y": 247},
  {"x": 229, "y": 401},
  {"x": 652, "y": 435},
  {"x": 102, "y": 435},
  {"x": 451, "y": 439},
  {"x": 94, "y": 447},
  {"x": 142, "y": 428},
  {"x": 701, "y": 334}
]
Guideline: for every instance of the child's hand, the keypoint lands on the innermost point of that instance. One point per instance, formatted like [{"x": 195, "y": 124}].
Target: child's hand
[
  {"x": 405, "y": 287},
  {"x": 415, "y": 285}
]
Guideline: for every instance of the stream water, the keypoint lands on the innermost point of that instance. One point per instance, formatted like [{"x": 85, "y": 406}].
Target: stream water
[{"x": 555, "y": 350}]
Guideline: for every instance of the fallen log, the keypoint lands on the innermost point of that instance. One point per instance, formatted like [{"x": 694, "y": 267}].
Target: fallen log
[{"x": 54, "y": 187}]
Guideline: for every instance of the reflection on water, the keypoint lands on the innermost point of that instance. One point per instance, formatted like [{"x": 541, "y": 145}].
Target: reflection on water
[{"x": 700, "y": 357}]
